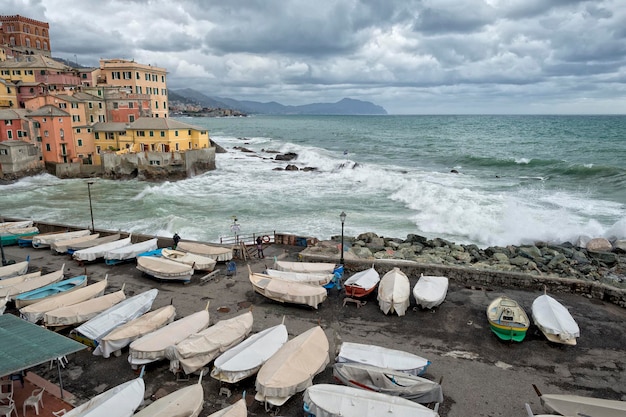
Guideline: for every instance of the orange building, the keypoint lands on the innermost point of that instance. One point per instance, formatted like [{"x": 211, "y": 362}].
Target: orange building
[
  {"x": 54, "y": 129},
  {"x": 25, "y": 36}
]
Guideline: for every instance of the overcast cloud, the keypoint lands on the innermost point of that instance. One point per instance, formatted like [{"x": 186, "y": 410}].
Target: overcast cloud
[{"x": 409, "y": 56}]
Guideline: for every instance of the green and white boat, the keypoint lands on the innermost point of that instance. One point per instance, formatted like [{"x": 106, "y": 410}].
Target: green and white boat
[{"x": 507, "y": 319}]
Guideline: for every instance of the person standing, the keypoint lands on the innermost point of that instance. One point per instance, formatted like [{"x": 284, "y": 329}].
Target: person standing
[
  {"x": 259, "y": 247},
  {"x": 176, "y": 239}
]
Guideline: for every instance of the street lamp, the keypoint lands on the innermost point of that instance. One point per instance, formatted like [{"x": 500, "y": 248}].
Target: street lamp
[
  {"x": 89, "y": 184},
  {"x": 342, "y": 217}
]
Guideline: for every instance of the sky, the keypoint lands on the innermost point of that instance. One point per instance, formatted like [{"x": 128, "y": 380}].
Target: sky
[{"x": 409, "y": 56}]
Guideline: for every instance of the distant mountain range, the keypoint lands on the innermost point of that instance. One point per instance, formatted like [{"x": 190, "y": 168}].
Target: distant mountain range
[{"x": 347, "y": 106}]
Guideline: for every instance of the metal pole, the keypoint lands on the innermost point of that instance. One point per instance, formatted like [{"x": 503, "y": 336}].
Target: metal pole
[
  {"x": 342, "y": 216},
  {"x": 90, "y": 207}
]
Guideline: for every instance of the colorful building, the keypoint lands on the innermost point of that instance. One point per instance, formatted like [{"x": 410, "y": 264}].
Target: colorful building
[
  {"x": 25, "y": 36},
  {"x": 53, "y": 128}
]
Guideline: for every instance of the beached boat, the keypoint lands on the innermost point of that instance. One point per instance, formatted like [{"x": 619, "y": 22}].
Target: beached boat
[
  {"x": 129, "y": 252},
  {"x": 219, "y": 253},
  {"x": 95, "y": 252},
  {"x": 382, "y": 357},
  {"x": 326, "y": 400},
  {"x": 393, "y": 292},
  {"x": 507, "y": 319},
  {"x": 63, "y": 245},
  {"x": 530, "y": 413},
  {"x": 10, "y": 236},
  {"x": 245, "y": 359},
  {"x": 35, "y": 312},
  {"x": 81, "y": 312},
  {"x": 3, "y": 304},
  {"x": 51, "y": 290},
  {"x": 198, "y": 262},
  {"x": 7, "y": 283},
  {"x": 362, "y": 283},
  {"x": 239, "y": 409},
  {"x": 164, "y": 269},
  {"x": 125, "y": 334},
  {"x": 430, "y": 291},
  {"x": 32, "y": 284},
  {"x": 44, "y": 241},
  {"x": 576, "y": 405},
  {"x": 308, "y": 267},
  {"x": 287, "y": 291},
  {"x": 20, "y": 223},
  {"x": 91, "y": 243},
  {"x": 9, "y": 271},
  {"x": 388, "y": 381},
  {"x": 554, "y": 320},
  {"x": 184, "y": 402},
  {"x": 312, "y": 278},
  {"x": 198, "y": 349},
  {"x": 120, "y": 401},
  {"x": 292, "y": 368},
  {"x": 156, "y": 252}
]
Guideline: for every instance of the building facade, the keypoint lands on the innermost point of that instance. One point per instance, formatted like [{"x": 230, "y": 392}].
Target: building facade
[{"x": 25, "y": 36}]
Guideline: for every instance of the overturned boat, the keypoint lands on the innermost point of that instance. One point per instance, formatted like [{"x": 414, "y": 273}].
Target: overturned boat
[{"x": 382, "y": 357}]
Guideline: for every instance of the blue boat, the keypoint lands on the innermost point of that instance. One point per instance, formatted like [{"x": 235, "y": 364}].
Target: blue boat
[
  {"x": 156, "y": 252},
  {"x": 50, "y": 290}
]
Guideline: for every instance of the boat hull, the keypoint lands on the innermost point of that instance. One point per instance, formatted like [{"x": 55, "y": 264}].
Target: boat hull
[
  {"x": 507, "y": 319},
  {"x": 49, "y": 291}
]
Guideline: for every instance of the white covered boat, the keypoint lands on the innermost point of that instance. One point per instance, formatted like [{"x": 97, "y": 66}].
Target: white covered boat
[
  {"x": 307, "y": 267},
  {"x": 35, "y": 312},
  {"x": 382, "y": 357},
  {"x": 63, "y": 245},
  {"x": 120, "y": 401},
  {"x": 287, "y": 291},
  {"x": 293, "y": 367},
  {"x": 312, "y": 278},
  {"x": 45, "y": 240},
  {"x": 326, "y": 400},
  {"x": 95, "y": 252},
  {"x": 81, "y": 312},
  {"x": 9, "y": 282},
  {"x": 184, "y": 402},
  {"x": 577, "y": 405},
  {"x": 198, "y": 262},
  {"x": 164, "y": 269},
  {"x": 15, "y": 224},
  {"x": 430, "y": 291},
  {"x": 219, "y": 253},
  {"x": 128, "y": 252},
  {"x": 393, "y": 292},
  {"x": 50, "y": 291},
  {"x": 245, "y": 359},
  {"x": 554, "y": 320},
  {"x": 91, "y": 243},
  {"x": 32, "y": 284},
  {"x": 9, "y": 271},
  {"x": 362, "y": 283},
  {"x": 3, "y": 304},
  {"x": 239, "y": 409},
  {"x": 198, "y": 349}
]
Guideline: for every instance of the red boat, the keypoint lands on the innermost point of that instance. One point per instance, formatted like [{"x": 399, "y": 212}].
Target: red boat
[{"x": 362, "y": 283}]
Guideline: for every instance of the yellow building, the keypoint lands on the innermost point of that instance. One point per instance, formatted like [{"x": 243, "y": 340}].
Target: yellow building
[{"x": 8, "y": 94}]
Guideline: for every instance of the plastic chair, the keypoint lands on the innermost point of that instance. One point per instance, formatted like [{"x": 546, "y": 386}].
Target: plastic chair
[
  {"x": 35, "y": 398},
  {"x": 231, "y": 268},
  {"x": 7, "y": 410},
  {"x": 6, "y": 391}
]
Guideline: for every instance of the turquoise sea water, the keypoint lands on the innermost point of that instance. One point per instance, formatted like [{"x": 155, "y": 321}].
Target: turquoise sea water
[{"x": 520, "y": 179}]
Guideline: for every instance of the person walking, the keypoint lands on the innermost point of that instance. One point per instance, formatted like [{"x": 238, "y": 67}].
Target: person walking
[{"x": 259, "y": 247}]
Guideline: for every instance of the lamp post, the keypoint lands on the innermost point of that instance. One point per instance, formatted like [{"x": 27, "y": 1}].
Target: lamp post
[
  {"x": 89, "y": 184},
  {"x": 342, "y": 217}
]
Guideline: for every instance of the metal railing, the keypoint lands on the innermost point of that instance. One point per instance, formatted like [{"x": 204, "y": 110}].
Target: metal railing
[{"x": 248, "y": 239}]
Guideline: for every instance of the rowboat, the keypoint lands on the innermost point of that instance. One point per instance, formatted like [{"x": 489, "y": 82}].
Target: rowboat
[
  {"x": 125, "y": 334},
  {"x": 430, "y": 291},
  {"x": 219, "y": 253},
  {"x": 44, "y": 241},
  {"x": 507, "y": 319},
  {"x": 554, "y": 320},
  {"x": 287, "y": 291},
  {"x": 393, "y": 292},
  {"x": 63, "y": 245},
  {"x": 11, "y": 225},
  {"x": 198, "y": 349},
  {"x": 362, "y": 283},
  {"x": 35, "y": 312},
  {"x": 245, "y": 359},
  {"x": 81, "y": 312},
  {"x": 326, "y": 400},
  {"x": 32, "y": 284},
  {"x": 51, "y": 290},
  {"x": 120, "y": 401},
  {"x": 18, "y": 268},
  {"x": 576, "y": 405},
  {"x": 187, "y": 402},
  {"x": 239, "y": 409},
  {"x": 309, "y": 267},
  {"x": 10, "y": 236},
  {"x": 293, "y": 367},
  {"x": 198, "y": 262},
  {"x": 95, "y": 252},
  {"x": 388, "y": 381},
  {"x": 129, "y": 252},
  {"x": 91, "y": 243},
  {"x": 397, "y": 360},
  {"x": 311, "y": 278},
  {"x": 164, "y": 269},
  {"x": 530, "y": 413},
  {"x": 7, "y": 283}
]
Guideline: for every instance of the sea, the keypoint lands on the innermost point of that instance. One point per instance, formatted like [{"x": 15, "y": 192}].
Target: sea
[{"x": 489, "y": 180}]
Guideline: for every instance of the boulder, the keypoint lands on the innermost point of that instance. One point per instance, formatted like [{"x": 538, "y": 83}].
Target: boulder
[
  {"x": 289, "y": 156},
  {"x": 620, "y": 246},
  {"x": 599, "y": 244}
]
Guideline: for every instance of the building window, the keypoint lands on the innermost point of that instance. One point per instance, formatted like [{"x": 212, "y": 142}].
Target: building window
[
  {"x": 152, "y": 133},
  {"x": 74, "y": 105},
  {"x": 141, "y": 133},
  {"x": 137, "y": 75},
  {"x": 189, "y": 145},
  {"x": 90, "y": 105},
  {"x": 115, "y": 105},
  {"x": 45, "y": 133},
  {"x": 131, "y": 118},
  {"x": 63, "y": 105},
  {"x": 91, "y": 118},
  {"x": 116, "y": 75},
  {"x": 176, "y": 133},
  {"x": 189, "y": 132},
  {"x": 61, "y": 133},
  {"x": 101, "y": 118},
  {"x": 75, "y": 118},
  {"x": 48, "y": 147},
  {"x": 96, "y": 135},
  {"x": 156, "y": 103},
  {"x": 78, "y": 130},
  {"x": 127, "y": 75},
  {"x": 80, "y": 142},
  {"x": 8, "y": 122},
  {"x": 4, "y": 152},
  {"x": 99, "y": 105},
  {"x": 38, "y": 44},
  {"x": 176, "y": 146},
  {"x": 9, "y": 134}
]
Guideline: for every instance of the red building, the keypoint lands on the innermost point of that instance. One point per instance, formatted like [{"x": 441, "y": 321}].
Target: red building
[{"x": 25, "y": 36}]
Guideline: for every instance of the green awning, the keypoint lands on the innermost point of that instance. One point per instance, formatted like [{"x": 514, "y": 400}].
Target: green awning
[{"x": 24, "y": 345}]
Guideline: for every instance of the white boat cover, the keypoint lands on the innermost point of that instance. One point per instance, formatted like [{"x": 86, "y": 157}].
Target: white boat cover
[
  {"x": 151, "y": 347},
  {"x": 49, "y": 291},
  {"x": 430, "y": 291},
  {"x": 185, "y": 402},
  {"x": 32, "y": 284},
  {"x": 120, "y": 401},
  {"x": 3, "y": 304},
  {"x": 94, "y": 242},
  {"x": 245, "y": 359},
  {"x": 293, "y": 367},
  {"x": 388, "y": 381},
  {"x": 95, "y": 252},
  {"x": 576, "y": 405},
  {"x": 62, "y": 245},
  {"x": 198, "y": 262},
  {"x": 45, "y": 240},
  {"x": 219, "y": 253},
  {"x": 123, "y": 335},
  {"x": 21, "y": 223},
  {"x": 239, "y": 409},
  {"x": 164, "y": 268},
  {"x": 10, "y": 231},
  {"x": 393, "y": 292},
  {"x": 364, "y": 279},
  {"x": 382, "y": 357},
  {"x": 83, "y": 311},
  {"x": 121, "y": 313},
  {"x": 315, "y": 267},
  {"x": 35, "y": 312},
  {"x": 313, "y": 278},
  {"x": 131, "y": 251},
  {"x": 8, "y": 271},
  {"x": 326, "y": 400},
  {"x": 200, "y": 348},
  {"x": 288, "y": 291},
  {"x": 553, "y": 318},
  {"x": 9, "y": 282}
]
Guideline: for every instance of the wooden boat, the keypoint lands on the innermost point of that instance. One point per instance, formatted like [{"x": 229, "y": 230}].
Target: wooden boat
[
  {"x": 198, "y": 262},
  {"x": 311, "y": 278},
  {"x": 245, "y": 359},
  {"x": 187, "y": 402},
  {"x": 308, "y": 267},
  {"x": 44, "y": 241},
  {"x": 129, "y": 252},
  {"x": 198, "y": 349},
  {"x": 11, "y": 225},
  {"x": 9, "y": 271},
  {"x": 287, "y": 291},
  {"x": 239, "y": 409},
  {"x": 32, "y": 284},
  {"x": 576, "y": 405},
  {"x": 293, "y": 367},
  {"x": 164, "y": 269},
  {"x": 388, "y": 381},
  {"x": 7, "y": 283},
  {"x": 35, "y": 312},
  {"x": 10, "y": 236},
  {"x": 507, "y": 319},
  {"x": 81, "y": 312},
  {"x": 326, "y": 400},
  {"x": 91, "y": 243},
  {"x": 123, "y": 335},
  {"x": 362, "y": 283},
  {"x": 430, "y": 291},
  {"x": 219, "y": 253},
  {"x": 95, "y": 252},
  {"x": 120, "y": 401},
  {"x": 554, "y": 320},
  {"x": 62, "y": 245},
  {"x": 393, "y": 292},
  {"x": 51, "y": 290},
  {"x": 382, "y": 357}
]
